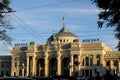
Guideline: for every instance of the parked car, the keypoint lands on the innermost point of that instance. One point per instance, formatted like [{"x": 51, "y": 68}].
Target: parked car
[
  {"x": 16, "y": 78},
  {"x": 41, "y": 78},
  {"x": 80, "y": 79},
  {"x": 63, "y": 78}
]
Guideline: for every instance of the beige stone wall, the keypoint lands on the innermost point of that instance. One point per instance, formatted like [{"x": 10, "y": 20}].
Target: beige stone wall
[
  {"x": 97, "y": 54},
  {"x": 63, "y": 54}
]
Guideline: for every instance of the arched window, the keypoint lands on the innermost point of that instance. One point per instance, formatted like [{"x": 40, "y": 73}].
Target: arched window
[
  {"x": 87, "y": 61},
  {"x": 115, "y": 63},
  {"x": 60, "y": 40},
  {"x": 91, "y": 61},
  {"x": 108, "y": 63},
  {"x": 64, "y": 40},
  {"x": 75, "y": 40},
  {"x": 83, "y": 62}
]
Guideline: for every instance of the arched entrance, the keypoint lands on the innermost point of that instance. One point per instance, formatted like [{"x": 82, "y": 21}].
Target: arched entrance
[
  {"x": 65, "y": 66},
  {"x": 53, "y": 66},
  {"x": 40, "y": 67}
]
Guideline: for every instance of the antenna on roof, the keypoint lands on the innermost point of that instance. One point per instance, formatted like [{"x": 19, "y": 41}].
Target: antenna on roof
[{"x": 63, "y": 21}]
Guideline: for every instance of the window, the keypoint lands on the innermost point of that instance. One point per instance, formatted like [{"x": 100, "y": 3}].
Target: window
[
  {"x": 14, "y": 73},
  {"x": 2, "y": 65},
  {"x": 42, "y": 64},
  {"x": 83, "y": 62},
  {"x": 87, "y": 61},
  {"x": 67, "y": 40},
  {"x": 108, "y": 63},
  {"x": 98, "y": 56},
  {"x": 115, "y": 63},
  {"x": 75, "y": 57},
  {"x": 64, "y": 40},
  {"x": 98, "y": 62},
  {"x": 60, "y": 40},
  {"x": 54, "y": 64},
  {"x": 7, "y": 65},
  {"x": 65, "y": 65},
  {"x": 91, "y": 61}
]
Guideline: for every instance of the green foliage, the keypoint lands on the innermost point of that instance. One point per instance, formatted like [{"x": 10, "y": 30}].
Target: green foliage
[
  {"x": 4, "y": 21},
  {"x": 109, "y": 15}
]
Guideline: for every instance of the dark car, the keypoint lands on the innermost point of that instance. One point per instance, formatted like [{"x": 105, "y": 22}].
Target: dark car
[
  {"x": 63, "y": 78},
  {"x": 42, "y": 78},
  {"x": 16, "y": 78}
]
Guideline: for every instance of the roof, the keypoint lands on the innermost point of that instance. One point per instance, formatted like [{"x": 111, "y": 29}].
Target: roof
[
  {"x": 65, "y": 32},
  {"x": 62, "y": 33}
]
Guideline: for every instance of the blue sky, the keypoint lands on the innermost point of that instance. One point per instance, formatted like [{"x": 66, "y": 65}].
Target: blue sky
[{"x": 36, "y": 20}]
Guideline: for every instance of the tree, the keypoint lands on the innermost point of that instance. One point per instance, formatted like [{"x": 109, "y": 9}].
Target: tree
[
  {"x": 109, "y": 15},
  {"x": 4, "y": 22}
]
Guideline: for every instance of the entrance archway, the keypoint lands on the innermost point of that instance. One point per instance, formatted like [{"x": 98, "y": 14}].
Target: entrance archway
[
  {"x": 53, "y": 66},
  {"x": 65, "y": 66},
  {"x": 40, "y": 67}
]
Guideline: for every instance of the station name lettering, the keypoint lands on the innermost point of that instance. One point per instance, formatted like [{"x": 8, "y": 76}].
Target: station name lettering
[
  {"x": 21, "y": 44},
  {"x": 91, "y": 40}
]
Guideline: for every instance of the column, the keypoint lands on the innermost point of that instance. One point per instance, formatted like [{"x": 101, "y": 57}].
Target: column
[
  {"x": 71, "y": 66},
  {"x": 27, "y": 74},
  {"x": 85, "y": 61},
  {"x": 12, "y": 66},
  {"x": 89, "y": 60},
  {"x": 34, "y": 66},
  {"x": 111, "y": 66},
  {"x": 79, "y": 66},
  {"x": 17, "y": 66},
  {"x": 46, "y": 66},
  {"x": 119, "y": 66},
  {"x": 94, "y": 60},
  {"x": 102, "y": 65},
  {"x": 34, "y": 60},
  {"x": 59, "y": 64},
  {"x": 23, "y": 69},
  {"x": 94, "y": 63}
]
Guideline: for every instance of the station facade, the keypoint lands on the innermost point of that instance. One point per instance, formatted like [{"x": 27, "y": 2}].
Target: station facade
[{"x": 64, "y": 54}]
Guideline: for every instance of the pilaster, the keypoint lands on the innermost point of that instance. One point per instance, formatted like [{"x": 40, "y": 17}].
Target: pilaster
[
  {"x": 59, "y": 64},
  {"x": 111, "y": 66},
  {"x": 94, "y": 60},
  {"x": 71, "y": 66},
  {"x": 119, "y": 66},
  {"x": 79, "y": 65},
  {"x": 13, "y": 66},
  {"x": 34, "y": 66},
  {"x": 93, "y": 65},
  {"x": 46, "y": 64},
  {"x": 17, "y": 66},
  {"x": 27, "y": 74}
]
